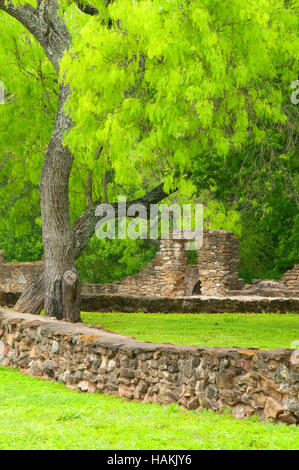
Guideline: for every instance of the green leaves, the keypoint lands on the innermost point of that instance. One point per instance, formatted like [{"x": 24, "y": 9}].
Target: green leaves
[
  {"x": 26, "y": 120},
  {"x": 167, "y": 81}
]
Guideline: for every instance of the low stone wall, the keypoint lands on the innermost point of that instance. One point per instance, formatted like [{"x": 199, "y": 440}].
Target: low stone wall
[
  {"x": 287, "y": 286},
  {"x": 245, "y": 380},
  {"x": 130, "y": 304},
  {"x": 202, "y": 304},
  {"x": 16, "y": 276}
]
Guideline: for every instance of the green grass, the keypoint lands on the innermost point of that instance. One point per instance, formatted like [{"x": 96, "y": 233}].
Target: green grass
[
  {"x": 44, "y": 415},
  {"x": 264, "y": 331}
]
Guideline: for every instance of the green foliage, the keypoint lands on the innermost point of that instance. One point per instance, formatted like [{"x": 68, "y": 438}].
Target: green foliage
[
  {"x": 177, "y": 85},
  {"x": 23, "y": 248},
  {"x": 192, "y": 257},
  {"x": 256, "y": 252},
  {"x": 30, "y": 98},
  {"x": 262, "y": 184},
  {"x": 111, "y": 260},
  {"x": 219, "y": 216}
]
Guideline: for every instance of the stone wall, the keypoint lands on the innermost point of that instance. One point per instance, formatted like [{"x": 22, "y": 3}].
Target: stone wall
[
  {"x": 245, "y": 380},
  {"x": 291, "y": 279},
  {"x": 15, "y": 276},
  {"x": 218, "y": 262},
  {"x": 287, "y": 286},
  {"x": 164, "y": 276},
  {"x": 201, "y": 304},
  {"x": 169, "y": 275}
]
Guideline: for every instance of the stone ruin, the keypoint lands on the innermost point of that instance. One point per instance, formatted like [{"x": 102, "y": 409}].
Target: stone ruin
[
  {"x": 169, "y": 275},
  {"x": 214, "y": 274}
]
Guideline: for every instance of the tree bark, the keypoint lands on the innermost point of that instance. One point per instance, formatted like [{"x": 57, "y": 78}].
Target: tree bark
[
  {"x": 56, "y": 287},
  {"x": 62, "y": 283},
  {"x": 32, "y": 299}
]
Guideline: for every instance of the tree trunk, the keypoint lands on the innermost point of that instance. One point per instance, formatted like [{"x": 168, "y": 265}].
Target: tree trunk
[
  {"x": 56, "y": 287},
  {"x": 62, "y": 283},
  {"x": 32, "y": 299}
]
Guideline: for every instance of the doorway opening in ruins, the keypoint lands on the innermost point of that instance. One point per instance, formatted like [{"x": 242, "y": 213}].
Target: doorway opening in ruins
[
  {"x": 192, "y": 253},
  {"x": 197, "y": 288}
]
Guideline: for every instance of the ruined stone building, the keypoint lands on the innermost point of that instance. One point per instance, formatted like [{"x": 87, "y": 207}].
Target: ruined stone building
[{"x": 169, "y": 274}]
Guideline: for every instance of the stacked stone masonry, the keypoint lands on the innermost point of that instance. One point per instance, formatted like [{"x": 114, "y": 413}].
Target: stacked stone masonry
[
  {"x": 247, "y": 381},
  {"x": 288, "y": 286},
  {"x": 14, "y": 277},
  {"x": 164, "y": 276},
  {"x": 194, "y": 304},
  {"x": 169, "y": 275}
]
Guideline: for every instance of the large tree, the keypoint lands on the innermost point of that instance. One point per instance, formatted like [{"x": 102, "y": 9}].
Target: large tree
[
  {"x": 148, "y": 86},
  {"x": 57, "y": 285}
]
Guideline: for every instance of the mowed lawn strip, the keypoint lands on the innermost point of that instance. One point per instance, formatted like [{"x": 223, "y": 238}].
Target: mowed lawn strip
[
  {"x": 264, "y": 331},
  {"x": 35, "y": 414}
]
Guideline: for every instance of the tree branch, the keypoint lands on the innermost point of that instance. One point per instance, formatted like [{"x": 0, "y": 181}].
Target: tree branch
[
  {"x": 84, "y": 226},
  {"x": 44, "y": 24},
  {"x": 88, "y": 9},
  {"x": 26, "y": 14}
]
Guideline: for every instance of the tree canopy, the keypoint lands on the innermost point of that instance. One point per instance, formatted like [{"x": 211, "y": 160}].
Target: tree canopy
[
  {"x": 186, "y": 93},
  {"x": 165, "y": 86}
]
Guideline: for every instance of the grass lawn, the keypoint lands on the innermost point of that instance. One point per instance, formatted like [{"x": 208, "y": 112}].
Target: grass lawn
[
  {"x": 35, "y": 414},
  {"x": 264, "y": 331}
]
